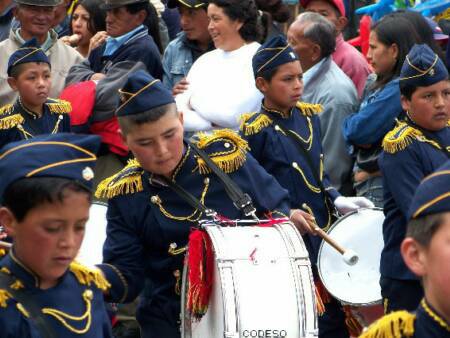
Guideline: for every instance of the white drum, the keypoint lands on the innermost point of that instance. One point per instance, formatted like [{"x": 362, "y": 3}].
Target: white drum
[
  {"x": 262, "y": 285},
  {"x": 91, "y": 251},
  {"x": 356, "y": 285}
]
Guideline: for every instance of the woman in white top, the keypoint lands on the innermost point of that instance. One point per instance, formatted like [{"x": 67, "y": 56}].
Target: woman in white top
[{"x": 221, "y": 82}]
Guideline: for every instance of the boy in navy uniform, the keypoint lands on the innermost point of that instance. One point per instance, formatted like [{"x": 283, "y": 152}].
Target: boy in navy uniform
[
  {"x": 285, "y": 138},
  {"x": 148, "y": 223},
  {"x": 33, "y": 113},
  {"x": 45, "y": 198},
  {"x": 412, "y": 150},
  {"x": 426, "y": 252}
]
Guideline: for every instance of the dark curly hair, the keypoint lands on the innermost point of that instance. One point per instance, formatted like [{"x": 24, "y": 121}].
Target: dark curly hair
[{"x": 244, "y": 11}]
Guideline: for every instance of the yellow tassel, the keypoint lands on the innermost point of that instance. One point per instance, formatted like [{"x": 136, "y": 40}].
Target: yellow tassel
[
  {"x": 2, "y": 252},
  {"x": 87, "y": 276},
  {"x": 6, "y": 109},
  {"x": 127, "y": 181},
  {"x": 5, "y": 270},
  {"x": 59, "y": 106},
  {"x": 259, "y": 123},
  {"x": 17, "y": 285},
  {"x": 309, "y": 109},
  {"x": 4, "y": 296},
  {"x": 229, "y": 160},
  {"x": 394, "y": 325},
  {"x": 11, "y": 121}
]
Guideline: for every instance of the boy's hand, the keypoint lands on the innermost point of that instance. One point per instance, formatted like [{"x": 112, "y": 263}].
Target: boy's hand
[{"x": 304, "y": 222}]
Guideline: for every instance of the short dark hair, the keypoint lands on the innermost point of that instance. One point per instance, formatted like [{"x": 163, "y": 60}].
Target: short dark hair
[
  {"x": 28, "y": 193},
  {"x": 407, "y": 90},
  {"x": 128, "y": 122},
  {"x": 267, "y": 74},
  {"x": 423, "y": 228},
  {"x": 97, "y": 20},
  {"x": 18, "y": 69},
  {"x": 244, "y": 11}
]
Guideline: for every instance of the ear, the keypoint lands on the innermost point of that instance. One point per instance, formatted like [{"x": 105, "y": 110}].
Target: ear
[
  {"x": 141, "y": 16},
  {"x": 406, "y": 104},
  {"x": 8, "y": 220},
  {"x": 316, "y": 52},
  {"x": 181, "y": 117},
  {"x": 394, "y": 51},
  {"x": 414, "y": 255},
  {"x": 261, "y": 84},
  {"x": 12, "y": 83},
  {"x": 15, "y": 11},
  {"x": 341, "y": 24},
  {"x": 123, "y": 137},
  {"x": 238, "y": 25}
]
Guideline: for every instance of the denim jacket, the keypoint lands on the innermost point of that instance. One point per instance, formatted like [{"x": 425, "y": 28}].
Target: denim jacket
[{"x": 177, "y": 61}]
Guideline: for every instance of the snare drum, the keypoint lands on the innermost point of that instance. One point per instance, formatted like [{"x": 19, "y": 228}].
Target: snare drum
[
  {"x": 262, "y": 285},
  {"x": 356, "y": 285},
  {"x": 91, "y": 251}
]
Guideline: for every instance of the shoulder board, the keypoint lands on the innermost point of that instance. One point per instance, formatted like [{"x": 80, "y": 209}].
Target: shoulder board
[
  {"x": 126, "y": 181},
  {"x": 396, "y": 324},
  {"x": 253, "y": 123},
  {"x": 57, "y": 106},
  {"x": 8, "y": 119},
  {"x": 309, "y": 109},
  {"x": 88, "y": 276},
  {"x": 226, "y": 148}
]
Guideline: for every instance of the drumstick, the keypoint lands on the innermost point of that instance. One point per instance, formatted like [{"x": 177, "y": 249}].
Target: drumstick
[{"x": 5, "y": 245}]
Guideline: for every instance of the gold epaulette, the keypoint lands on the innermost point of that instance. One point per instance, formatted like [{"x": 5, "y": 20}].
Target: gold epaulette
[
  {"x": 309, "y": 109},
  {"x": 253, "y": 123},
  {"x": 402, "y": 136},
  {"x": 126, "y": 181},
  {"x": 9, "y": 120},
  {"x": 394, "y": 325},
  {"x": 4, "y": 294},
  {"x": 87, "y": 276},
  {"x": 225, "y": 148},
  {"x": 57, "y": 106}
]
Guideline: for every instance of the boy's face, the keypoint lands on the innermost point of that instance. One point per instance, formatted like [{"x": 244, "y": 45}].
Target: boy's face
[
  {"x": 429, "y": 107},
  {"x": 158, "y": 146},
  {"x": 47, "y": 240},
  {"x": 33, "y": 84},
  {"x": 284, "y": 89}
]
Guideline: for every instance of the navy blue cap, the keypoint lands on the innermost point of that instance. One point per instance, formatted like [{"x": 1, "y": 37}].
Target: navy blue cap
[
  {"x": 62, "y": 155},
  {"x": 30, "y": 51},
  {"x": 432, "y": 196},
  {"x": 141, "y": 93},
  {"x": 271, "y": 54},
  {"x": 422, "y": 67}
]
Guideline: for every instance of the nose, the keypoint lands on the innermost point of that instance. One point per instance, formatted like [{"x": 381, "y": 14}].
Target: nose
[
  {"x": 109, "y": 16},
  {"x": 210, "y": 25},
  {"x": 77, "y": 22},
  {"x": 68, "y": 239},
  {"x": 161, "y": 148},
  {"x": 440, "y": 100}
]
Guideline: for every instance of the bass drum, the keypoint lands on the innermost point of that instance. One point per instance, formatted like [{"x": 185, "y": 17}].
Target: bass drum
[
  {"x": 262, "y": 285},
  {"x": 91, "y": 251}
]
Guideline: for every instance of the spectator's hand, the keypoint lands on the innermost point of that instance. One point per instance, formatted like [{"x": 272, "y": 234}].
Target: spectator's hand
[
  {"x": 97, "y": 40},
  {"x": 71, "y": 40},
  {"x": 180, "y": 87},
  {"x": 97, "y": 76},
  {"x": 349, "y": 204},
  {"x": 304, "y": 222}
]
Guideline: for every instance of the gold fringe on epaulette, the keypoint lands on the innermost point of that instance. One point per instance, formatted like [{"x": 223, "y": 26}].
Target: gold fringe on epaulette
[
  {"x": 2, "y": 252},
  {"x": 228, "y": 160},
  {"x": 6, "y": 109},
  {"x": 116, "y": 185},
  {"x": 400, "y": 137},
  {"x": 395, "y": 325},
  {"x": 262, "y": 121},
  {"x": 17, "y": 285},
  {"x": 59, "y": 107},
  {"x": 4, "y": 296},
  {"x": 87, "y": 276},
  {"x": 11, "y": 121},
  {"x": 309, "y": 109}
]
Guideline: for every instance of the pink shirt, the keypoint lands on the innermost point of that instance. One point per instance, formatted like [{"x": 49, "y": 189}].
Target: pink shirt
[{"x": 352, "y": 62}]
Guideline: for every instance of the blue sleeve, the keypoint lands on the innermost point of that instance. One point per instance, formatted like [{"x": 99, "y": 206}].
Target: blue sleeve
[
  {"x": 166, "y": 62},
  {"x": 371, "y": 123}
]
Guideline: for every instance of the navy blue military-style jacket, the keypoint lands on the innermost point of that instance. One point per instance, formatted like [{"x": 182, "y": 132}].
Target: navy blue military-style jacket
[
  {"x": 18, "y": 123},
  {"x": 407, "y": 158},
  {"x": 280, "y": 156},
  {"x": 149, "y": 225},
  {"x": 73, "y": 308}
]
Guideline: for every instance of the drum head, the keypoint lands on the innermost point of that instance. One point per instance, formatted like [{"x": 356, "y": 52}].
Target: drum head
[
  {"x": 91, "y": 251},
  {"x": 362, "y": 232}
]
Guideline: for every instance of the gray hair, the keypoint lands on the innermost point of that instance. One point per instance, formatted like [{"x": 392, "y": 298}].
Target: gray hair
[{"x": 319, "y": 30}]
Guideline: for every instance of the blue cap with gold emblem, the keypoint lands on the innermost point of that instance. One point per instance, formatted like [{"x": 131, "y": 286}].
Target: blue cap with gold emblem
[
  {"x": 432, "y": 196},
  {"x": 141, "y": 93},
  {"x": 422, "y": 67},
  {"x": 64, "y": 155},
  {"x": 271, "y": 54},
  {"x": 30, "y": 51}
]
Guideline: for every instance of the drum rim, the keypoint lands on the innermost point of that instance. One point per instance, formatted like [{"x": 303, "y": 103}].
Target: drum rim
[{"x": 319, "y": 271}]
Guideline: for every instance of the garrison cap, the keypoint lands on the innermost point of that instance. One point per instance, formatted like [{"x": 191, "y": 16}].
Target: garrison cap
[
  {"x": 43, "y": 3},
  {"x": 194, "y": 4},
  {"x": 111, "y": 4},
  {"x": 30, "y": 51}
]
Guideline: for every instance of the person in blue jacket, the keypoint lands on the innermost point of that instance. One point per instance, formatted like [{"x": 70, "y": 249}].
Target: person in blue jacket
[
  {"x": 412, "y": 150},
  {"x": 45, "y": 198},
  {"x": 148, "y": 222}
]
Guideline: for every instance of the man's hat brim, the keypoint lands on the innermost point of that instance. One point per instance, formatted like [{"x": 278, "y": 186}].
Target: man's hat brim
[
  {"x": 45, "y": 3},
  {"x": 110, "y": 6},
  {"x": 187, "y": 3}
]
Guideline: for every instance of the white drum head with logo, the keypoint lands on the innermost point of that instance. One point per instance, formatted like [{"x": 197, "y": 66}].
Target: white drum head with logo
[{"x": 362, "y": 232}]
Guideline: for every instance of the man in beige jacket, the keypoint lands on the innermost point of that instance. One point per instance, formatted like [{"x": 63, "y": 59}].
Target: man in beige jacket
[{"x": 36, "y": 17}]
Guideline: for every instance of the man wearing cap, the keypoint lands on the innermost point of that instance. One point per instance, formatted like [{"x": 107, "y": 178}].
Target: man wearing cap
[
  {"x": 36, "y": 18},
  {"x": 313, "y": 39},
  {"x": 412, "y": 150},
  {"x": 189, "y": 44},
  {"x": 347, "y": 57}
]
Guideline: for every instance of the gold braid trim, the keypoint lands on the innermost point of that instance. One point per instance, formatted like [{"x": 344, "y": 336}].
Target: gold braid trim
[
  {"x": 259, "y": 123},
  {"x": 126, "y": 181},
  {"x": 434, "y": 316},
  {"x": 402, "y": 136},
  {"x": 4, "y": 296},
  {"x": 59, "y": 106},
  {"x": 309, "y": 109},
  {"x": 8, "y": 122},
  {"x": 229, "y": 160},
  {"x": 87, "y": 276},
  {"x": 6, "y": 109},
  {"x": 394, "y": 325}
]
